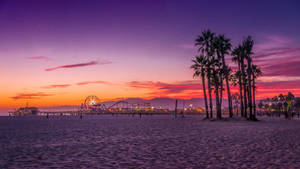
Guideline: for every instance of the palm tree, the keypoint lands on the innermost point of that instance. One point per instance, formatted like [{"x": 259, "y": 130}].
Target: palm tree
[
  {"x": 290, "y": 96},
  {"x": 204, "y": 42},
  {"x": 216, "y": 82},
  {"x": 290, "y": 99},
  {"x": 256, "y": 72},
  {"x": 244, "y": 80},
  {"x": 235, "y": 99},
  {"x": 281, "y": 101},
  {"x": 199, "y": 70},
  {"x": 223, "y": 46},
  {"x": 240, "y": 53},
  {"x": 248, "y": 46},
  {"x": 297, "y": 105},
  {"x": 237, "y": 53},
  {"x": 209, "y": 77}
]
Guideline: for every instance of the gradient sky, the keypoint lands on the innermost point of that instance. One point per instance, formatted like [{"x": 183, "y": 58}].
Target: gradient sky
[{"x": 57, "y": 52}]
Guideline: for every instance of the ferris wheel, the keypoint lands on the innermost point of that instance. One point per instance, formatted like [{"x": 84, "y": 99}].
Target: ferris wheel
[{"x": 92, "y": 101}]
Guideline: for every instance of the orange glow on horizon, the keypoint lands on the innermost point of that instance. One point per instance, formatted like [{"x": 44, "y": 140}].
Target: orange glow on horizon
[{"x": 64, "y": 98}]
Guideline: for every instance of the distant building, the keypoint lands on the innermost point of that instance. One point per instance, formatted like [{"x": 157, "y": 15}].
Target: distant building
[
  {"x": 199, "y": 109},
  {"x": 25, "y": 111}
]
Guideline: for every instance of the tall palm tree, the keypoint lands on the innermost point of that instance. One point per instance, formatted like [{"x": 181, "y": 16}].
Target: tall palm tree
[
  {"x": 237, "y": 57},
  {"x": 244, "y": 80},
  {"x": 256, "y": 72},
  {"x": 209, "y": 78},
  {"x": 223, "y": 46},
  {"x": 248, "y": 46},
  {"x": 199, "y": 70},
  {"x": 216, "y": 82},
  {"x": 235, "y": 99},
  {"x": 240, "y": 51},
  {"x": 204, "y": 42}
]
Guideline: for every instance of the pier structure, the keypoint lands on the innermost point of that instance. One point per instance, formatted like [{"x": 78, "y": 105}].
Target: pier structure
[{"x": 93, "y": 106}]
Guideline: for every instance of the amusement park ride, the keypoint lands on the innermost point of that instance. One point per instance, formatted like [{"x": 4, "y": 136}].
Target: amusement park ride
[{"x": 93, "y": 105}]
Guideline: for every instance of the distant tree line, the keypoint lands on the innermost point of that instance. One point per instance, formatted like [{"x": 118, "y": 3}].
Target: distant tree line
[
  {"x": 216, "y": 75},
  {"x": 281, "y": 104}
]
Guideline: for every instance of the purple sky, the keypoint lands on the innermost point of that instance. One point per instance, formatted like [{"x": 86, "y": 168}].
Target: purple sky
[
  {"x": 120, "y": 43},
  {"x": 110, "y": 24}
]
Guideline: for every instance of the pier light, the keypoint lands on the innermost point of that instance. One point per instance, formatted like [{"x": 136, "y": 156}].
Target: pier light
[{"x": 92, "y": 102}]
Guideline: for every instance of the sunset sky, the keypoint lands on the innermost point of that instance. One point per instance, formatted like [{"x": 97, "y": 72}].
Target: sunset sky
[{"x": 57, "y": 52}]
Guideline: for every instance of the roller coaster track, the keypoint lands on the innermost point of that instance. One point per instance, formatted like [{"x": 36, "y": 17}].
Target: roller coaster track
[{"x": 119, "y": 102}]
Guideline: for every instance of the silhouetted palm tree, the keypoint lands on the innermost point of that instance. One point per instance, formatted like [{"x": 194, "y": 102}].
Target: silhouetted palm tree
[
  {"x": 256, "y": 72},
  {"x": 216, "y": 70},
  {"x": 248, "y": 47},
  {"x": 237, "y": 57},
  {"x": 223, "y": 46},
  {"x": 212, "y": 64},
  {"x": 244, "y": 81},
  {"x": 241, "y": 54},
  {"x": 204, "y": 42},
  {"x": 235, "y": 100},
  {"x": 199, "y": 70}
]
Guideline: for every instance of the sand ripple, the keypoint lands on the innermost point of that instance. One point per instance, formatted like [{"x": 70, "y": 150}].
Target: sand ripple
[{"x": 150, "y": 142}]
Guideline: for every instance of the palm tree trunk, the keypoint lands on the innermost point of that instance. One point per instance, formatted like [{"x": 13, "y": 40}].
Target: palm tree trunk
[
  {"x": 209, "y": 93},
  {"x": 229, "y": 97},
  {"x": 250, "y": 88},
  {"x": 221, "y": 89},
  {"x": 218, "y": 106},
  {"x": 227, "y": 86},
  {"x": 245, "y": 87},
  {"x": 205, "y": 97},
  {"x": 241, "y": 91},
  {"x": 254, "y": 104}
]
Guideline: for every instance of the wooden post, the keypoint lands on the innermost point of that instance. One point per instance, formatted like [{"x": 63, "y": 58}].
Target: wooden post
[{"x": 175, "y": 112}]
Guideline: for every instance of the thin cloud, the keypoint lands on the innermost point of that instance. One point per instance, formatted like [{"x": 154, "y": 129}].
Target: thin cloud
[
  {"x": 30, "y": 96},
  {"x": 278, "y": 56},
  {"x": 166, "y": 89},
  {"x": 278, "y": 85},
  {"x": 283, "y": 67},
  {"x": 191, "y": 89},
  {"x": 39, "y": 58},
  {"x": 78, "y": 65},
  {"x": 91, "y": 82},
  {"x": 56, "y": 86},
  {"x": 273, "y": 42},
  {"x": 278, "y": 52}
]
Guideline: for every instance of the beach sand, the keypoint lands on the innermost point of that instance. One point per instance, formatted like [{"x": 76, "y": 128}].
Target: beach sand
[{"x": 149, "y": 142}]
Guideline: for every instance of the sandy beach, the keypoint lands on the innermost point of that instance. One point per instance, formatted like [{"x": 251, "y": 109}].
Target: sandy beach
[{"x": 149, "y": 142}]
